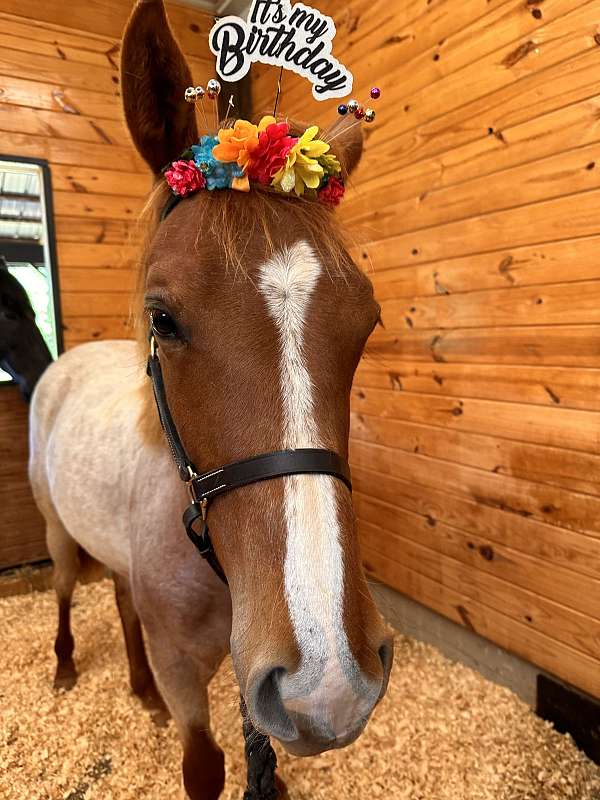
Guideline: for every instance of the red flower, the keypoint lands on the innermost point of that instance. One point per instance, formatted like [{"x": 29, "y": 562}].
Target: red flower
[
  {"x": 332, "y": 192},
  {"x": 184, "y": 177},
  {"x": 270, "y": 152}
]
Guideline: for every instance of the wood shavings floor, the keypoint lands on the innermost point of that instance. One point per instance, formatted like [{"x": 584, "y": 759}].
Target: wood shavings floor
[{"x": 442, "y": 733}]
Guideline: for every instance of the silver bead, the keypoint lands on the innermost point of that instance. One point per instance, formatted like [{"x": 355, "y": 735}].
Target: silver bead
[
  {"x": 190, "y": 95},
  {"x": 200, "y": 92},
  {"x": 369, "y": 115},
  {"x": 353, "y": 106},
  {"x": 213, "y": 88}
]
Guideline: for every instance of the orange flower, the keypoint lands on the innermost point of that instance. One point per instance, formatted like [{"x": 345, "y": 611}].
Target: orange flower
[
  {"x": 237, "y": 143},
  {"x": 233, "y": 142},
  {"x": 233, "y": 146}
]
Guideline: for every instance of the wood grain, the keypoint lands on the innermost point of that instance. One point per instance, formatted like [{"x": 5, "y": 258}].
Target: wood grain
[
  {"x": 107, "y": 18},
  {"x": 551, "y": 426},
  {"x": 481, "y": 572},
  {"x": 556, "y": 466},
  {"x": 549, "y": 653},
  {"x": 72, "y": 254},
  {"x": 565, "y": 346},
  {"x": 549, "y": 504},
  {"x": 553, "y": 262},
  {"x": 567, "y": 387},
  {"x": 487, "y": 523},
  {"x": 22, "y": 528}
]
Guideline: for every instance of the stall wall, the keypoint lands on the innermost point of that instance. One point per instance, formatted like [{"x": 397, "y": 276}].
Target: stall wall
[
  {"x": 475, "y": 424},
  {"x": 59, "y": 100}
]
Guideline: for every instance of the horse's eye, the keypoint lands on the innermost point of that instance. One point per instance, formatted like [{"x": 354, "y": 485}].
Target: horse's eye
[{"x": 163, "y": 324}]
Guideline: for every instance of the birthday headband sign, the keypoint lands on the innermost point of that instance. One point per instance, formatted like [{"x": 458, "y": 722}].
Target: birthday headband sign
[{"x": 298, "y": 39}]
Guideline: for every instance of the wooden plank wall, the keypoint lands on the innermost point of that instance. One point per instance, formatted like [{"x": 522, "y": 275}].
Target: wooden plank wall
[
  {"x": 59, "y": 100},
  {"x": 475, "y": 425}
]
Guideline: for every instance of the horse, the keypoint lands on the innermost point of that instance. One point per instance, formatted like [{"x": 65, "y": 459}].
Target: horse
[
  {"x": 260, "y": 317},
  {"x": 23, "y": 352}
]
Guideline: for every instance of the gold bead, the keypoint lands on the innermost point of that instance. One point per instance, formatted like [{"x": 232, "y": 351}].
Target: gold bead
[
  {"x": 190, "y": 95},
  {"x": 369, "y": 115}
]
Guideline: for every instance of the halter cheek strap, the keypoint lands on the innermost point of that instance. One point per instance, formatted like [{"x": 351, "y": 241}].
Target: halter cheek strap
[{"x": 204, "y": 487}]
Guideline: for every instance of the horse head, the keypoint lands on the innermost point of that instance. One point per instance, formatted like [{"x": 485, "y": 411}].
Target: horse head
[
  {"x": 23, "y": 351},
  {"x": 261, "y": 317}
]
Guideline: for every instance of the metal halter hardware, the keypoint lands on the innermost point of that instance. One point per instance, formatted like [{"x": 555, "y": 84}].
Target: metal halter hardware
[{"x": 203, "y": 487}]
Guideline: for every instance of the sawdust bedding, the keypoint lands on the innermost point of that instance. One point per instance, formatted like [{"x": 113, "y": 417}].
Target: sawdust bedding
[{"x": 442, "y": 732}]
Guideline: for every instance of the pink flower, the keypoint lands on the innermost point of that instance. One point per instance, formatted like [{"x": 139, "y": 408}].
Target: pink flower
[
  {"x": 332, "y": 192},
  {"x": 269, "y": 153},
  {"x": 184, "y": 177}
]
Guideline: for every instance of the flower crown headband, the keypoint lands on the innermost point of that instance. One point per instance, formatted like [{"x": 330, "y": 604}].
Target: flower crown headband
[{"x": 266, "y": 154}]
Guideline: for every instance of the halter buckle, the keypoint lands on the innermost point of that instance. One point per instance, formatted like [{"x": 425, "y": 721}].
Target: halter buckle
[
  {"x": 190, "y": 484},
  {"x": 203, "y": 503}
]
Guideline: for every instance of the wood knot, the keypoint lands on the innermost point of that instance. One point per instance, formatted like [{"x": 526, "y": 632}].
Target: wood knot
[
  {"x": 486, "y": 552},
  {"x": 395, "y": 381},
  {"x": 521, "y": 51}
]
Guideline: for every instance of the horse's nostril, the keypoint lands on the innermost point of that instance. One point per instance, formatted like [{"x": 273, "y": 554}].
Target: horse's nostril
[{"x": 267, "y": 708}]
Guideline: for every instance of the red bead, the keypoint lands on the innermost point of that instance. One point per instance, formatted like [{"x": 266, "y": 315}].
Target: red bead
[
  {"x": 375, "y": 93},
  {"x": 359, "y": 113}
]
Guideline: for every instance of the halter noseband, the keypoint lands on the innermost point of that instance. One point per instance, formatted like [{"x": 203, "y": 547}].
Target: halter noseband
[{"x": 203, "y": 487}]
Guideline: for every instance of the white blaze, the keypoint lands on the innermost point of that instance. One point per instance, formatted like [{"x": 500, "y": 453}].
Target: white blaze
[{"x": 313, "y": 570}]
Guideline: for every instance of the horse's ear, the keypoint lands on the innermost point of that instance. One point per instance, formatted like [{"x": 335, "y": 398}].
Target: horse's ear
[
  {"x": 154, "y": 76},
  {"x": 3, "y": 263},
  {"x": 348, "y": 144}
]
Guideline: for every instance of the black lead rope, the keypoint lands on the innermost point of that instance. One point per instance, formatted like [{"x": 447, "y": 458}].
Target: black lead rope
[
  {"x": 261, "y": 761},
  {"x": 204, "y": 487}
]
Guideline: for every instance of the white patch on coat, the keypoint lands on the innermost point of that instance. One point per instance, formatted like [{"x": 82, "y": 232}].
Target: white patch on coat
[{"x": 314, "y": 565}]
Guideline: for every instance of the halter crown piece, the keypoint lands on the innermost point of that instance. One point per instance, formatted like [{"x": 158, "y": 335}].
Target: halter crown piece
[{"x": 266, "y": 154}]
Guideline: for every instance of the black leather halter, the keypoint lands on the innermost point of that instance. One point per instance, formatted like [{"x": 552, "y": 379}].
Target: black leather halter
[{"x": 204, "y": 487}]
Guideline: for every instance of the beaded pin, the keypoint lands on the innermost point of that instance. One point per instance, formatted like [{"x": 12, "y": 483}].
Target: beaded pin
[{"x": 358, "y": 111}]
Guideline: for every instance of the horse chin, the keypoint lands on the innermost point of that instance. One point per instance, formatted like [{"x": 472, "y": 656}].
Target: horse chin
[{"x": 313, "y": 746}]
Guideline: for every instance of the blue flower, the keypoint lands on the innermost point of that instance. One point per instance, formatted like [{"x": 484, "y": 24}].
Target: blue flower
[{"x": 218, "y": 175}]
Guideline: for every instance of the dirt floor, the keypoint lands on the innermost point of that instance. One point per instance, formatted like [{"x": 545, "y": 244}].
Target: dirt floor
[{"x": 442, "y": 733}]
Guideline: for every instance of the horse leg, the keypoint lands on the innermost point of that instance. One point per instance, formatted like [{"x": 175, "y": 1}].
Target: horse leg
[
  {"x": 183, "y": 683},
  {"x": 64, "y": 551},
  {"x": 140, "y": 675}
]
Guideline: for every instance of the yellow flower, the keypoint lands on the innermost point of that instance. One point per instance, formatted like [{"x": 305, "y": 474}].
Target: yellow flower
[{"x": 301, "y": 169}]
